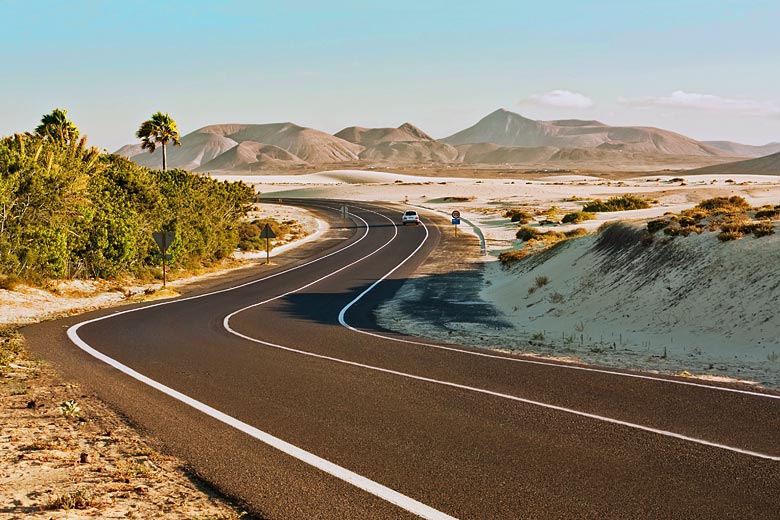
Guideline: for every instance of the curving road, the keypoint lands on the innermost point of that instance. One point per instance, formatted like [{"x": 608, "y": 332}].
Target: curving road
[{"x": 279, "y": 388}]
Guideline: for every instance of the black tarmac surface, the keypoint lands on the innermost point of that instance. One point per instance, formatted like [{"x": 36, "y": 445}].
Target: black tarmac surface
[{"x": 469, "y": 454}]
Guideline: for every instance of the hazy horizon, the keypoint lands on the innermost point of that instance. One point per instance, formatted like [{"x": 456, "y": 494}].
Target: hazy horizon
[{"x": 704, "y": 70}]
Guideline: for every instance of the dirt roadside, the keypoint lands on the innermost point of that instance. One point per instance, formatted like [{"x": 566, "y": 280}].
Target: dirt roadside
[{"x": 67, "y": 455}]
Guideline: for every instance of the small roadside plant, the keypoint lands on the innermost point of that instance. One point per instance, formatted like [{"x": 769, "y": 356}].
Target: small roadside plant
[
  {"x": 577, "y": 216},
  {"x": 519, "y": 216},
  {"x": 79, "y": 499},
  {"x": 541, "y": 281},
  {"x": 619, "y": 203},
  {"x": 70, "y": 409}
]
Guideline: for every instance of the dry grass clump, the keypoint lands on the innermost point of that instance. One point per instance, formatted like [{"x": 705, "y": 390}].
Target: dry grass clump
[
  {"x": 519, "y": 216},
  {"x": 511, "y": 257},
  {"x": 9, "y": 282},
  {"x": 724, "y": 205},
  {"x": 619, "y": 203},
  {"x": 11, "y": 346},
  {"x": 732, "y": 216},
  {"x": 249, "y": 232},
  {"x": 79, "y": 499},
  {"x": 537, "y": 241},
  {"x": 577, "y": 216}
]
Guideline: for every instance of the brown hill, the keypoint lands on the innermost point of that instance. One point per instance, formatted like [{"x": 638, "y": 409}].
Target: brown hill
[
  {"x": 203, "y": 145},
  {"x": 489, "y": 153},
  {"x": 374, "y": 136},
  {"x": 196, "y": 148},
  {"x": 769, "y": 165},
  {"x": 311, "y": 145},
  {"x": 744, "y": 150},
  {"x": 250, "y": 156},
  {"x": 410, "y": 152},
  {"x": 509, "y": 129}
]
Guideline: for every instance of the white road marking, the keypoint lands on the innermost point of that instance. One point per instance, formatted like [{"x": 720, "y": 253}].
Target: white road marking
[
  {"x": 359, "y": 481},
  {"x": 370, "y": 486},
  {"x": 343, "y": 322},
  {"x": 666, "y": 433},
  {"x": 351, "y": 477}
]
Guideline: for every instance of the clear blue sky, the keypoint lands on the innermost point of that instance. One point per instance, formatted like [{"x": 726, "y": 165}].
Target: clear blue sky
[{"x": 708, "y": 69}]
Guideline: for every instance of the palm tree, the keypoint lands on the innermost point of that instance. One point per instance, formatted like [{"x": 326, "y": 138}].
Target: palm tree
[
  {"x": 57, "y": 127},
  {"x": 160, "y": 129}
]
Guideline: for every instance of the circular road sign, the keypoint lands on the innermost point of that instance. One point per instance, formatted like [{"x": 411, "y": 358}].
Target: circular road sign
[{"x": 456, "y": 214}]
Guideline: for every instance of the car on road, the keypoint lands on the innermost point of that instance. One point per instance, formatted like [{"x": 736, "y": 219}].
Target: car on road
[{"x": 410, "y": 217}]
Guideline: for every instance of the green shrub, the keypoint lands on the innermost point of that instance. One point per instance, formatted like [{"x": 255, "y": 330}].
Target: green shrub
[
  {"x": 577, "y": 216},
  {"x": 619, "y": 203}
]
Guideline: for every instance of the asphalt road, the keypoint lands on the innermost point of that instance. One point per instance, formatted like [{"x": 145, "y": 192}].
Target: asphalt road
[{"x": 277, "y": 387}]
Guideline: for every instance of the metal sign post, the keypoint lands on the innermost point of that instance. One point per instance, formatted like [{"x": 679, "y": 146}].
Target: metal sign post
[
  {"x": 164, "y": 240},
  {"x": 456, "y": 220},
  {"x": 267, "y": 233}
]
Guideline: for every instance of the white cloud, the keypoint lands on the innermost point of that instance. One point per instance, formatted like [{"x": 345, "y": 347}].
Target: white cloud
[
  {"x": 707, "y": 102},
  {"x": 559, "y": 98}
]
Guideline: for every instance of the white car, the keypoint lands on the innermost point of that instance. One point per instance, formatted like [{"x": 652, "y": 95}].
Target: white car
[{"x": 410, "y": 217}]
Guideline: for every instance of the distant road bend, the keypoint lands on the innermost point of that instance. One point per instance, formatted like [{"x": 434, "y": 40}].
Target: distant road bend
[{"x": 281, "y": 390}]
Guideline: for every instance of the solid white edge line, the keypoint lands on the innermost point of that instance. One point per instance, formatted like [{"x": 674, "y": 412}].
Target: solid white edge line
[
  {"x": 602, "y": 418},
  {"x": 226, "y": 324},
  {"x": 343, "y": 322},
  {"x": 359, "y": 481},
  {"x": 335, "y": 470}
]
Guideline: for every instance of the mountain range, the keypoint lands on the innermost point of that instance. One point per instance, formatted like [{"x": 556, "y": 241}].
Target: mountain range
[{"x": 500, "y": 138}]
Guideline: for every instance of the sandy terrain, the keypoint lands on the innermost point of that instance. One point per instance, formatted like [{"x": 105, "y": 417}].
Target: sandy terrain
[
  {"x": 63, "y": 463},
  {"x": 627, "y": 316}
]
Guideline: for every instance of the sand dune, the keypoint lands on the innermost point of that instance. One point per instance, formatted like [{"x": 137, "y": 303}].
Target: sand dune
[
  {"x": 509, "y": 129},
  {"x": 769, "y": 165},
  {"x": 744, "y": 150},
  {"x": 373, "y": 136},
  {"x": 250, "y": 156}
]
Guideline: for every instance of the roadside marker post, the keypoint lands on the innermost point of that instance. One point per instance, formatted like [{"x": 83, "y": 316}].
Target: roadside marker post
[
  {"x": 456, "y": 220},
  {"x": 267, "y": 233},
  {"x": 164, "y": 239}
]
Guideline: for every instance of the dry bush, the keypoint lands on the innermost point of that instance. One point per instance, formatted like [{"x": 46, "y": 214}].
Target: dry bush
[
  {"x": 723, "y": 205},
  {"x": 768, "y": 214},
  {"x": 9, "y": 282},
  {"x": 79, "y": 499},
  {"x": 519, "y": 216},
  {"x": 620, "y": 203},
  {"x": 508, "y": 258},
  {"x": 577, "y": 216}
]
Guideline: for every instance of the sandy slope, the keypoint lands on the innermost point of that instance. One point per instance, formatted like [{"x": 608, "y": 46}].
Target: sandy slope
[{"x": 769, "y": 165}]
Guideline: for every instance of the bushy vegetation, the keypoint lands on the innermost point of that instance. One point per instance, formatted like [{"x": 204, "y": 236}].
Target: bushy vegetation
[
  {"x": 732, "y": 216},
  {"x": 68, "y": 211},
  {"x": 536, "y": 241},
  {"x": 619, "y": 203},
  {"x": 249, "y": 232},
  {"x": 519, "y": 216},
  {"x": 577, "y": 216}
]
